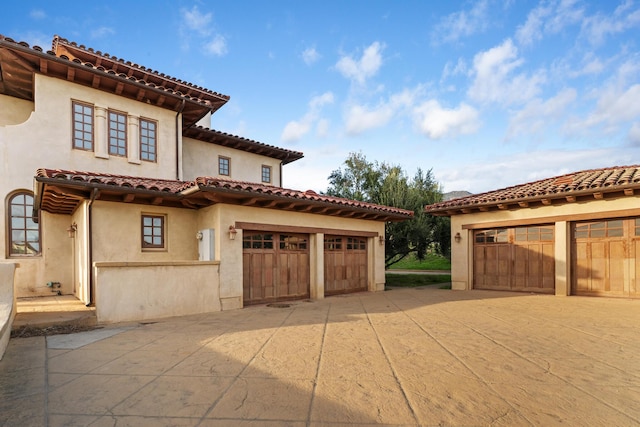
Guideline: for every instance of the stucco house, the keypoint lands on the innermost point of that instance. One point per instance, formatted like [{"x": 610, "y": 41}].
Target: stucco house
[
  {"x": 116, "y": 190},
  {"x": 575, "y": 234}
]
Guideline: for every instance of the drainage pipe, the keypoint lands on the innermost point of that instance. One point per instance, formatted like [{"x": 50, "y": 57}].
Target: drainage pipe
[{"x": 94, "y": 194}]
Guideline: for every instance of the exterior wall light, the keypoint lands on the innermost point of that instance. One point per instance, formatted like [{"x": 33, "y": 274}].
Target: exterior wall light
[
  {"x": 71, "y": 231},
  {"x": 381, "y": 240},
  {"x": 232, "y": 232},
  {"x": 457, "y": 237}
]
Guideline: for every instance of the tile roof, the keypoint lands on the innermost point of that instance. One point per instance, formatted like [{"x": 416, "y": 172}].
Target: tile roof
[
  {"x": 89, "y": 57},
  {"x": 616, "y": 181},
  {"x": 83, "y": 66},
  {"x": 308, "y": 195},
  {"x": 233, "y": 141},
  {"x": 61, "y": 191}
]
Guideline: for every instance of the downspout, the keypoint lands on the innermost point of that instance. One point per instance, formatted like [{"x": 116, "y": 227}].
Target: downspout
[
  {"x": 178, "y": 140},
  {"x": 91, "y": 303},
  {"x": 281, "y": 163}
]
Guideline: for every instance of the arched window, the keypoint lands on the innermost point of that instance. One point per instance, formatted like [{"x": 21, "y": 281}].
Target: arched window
[{"x": 23, "y": 231}]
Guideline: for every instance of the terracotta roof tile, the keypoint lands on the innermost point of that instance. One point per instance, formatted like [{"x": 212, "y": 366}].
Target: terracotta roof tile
[
  {"x": 308, "y": 195},
  {"x": 246, "y": 144},
  {"x": 115, "y": 67},
  {"x": 560, "y": 188},
  {"x": 122, "y": 183}
]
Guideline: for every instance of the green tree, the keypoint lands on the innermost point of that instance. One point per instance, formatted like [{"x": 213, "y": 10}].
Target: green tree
[{"x": 389, "y": 185}]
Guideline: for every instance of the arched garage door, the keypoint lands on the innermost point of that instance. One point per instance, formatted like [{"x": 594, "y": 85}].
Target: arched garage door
[
  {"x": 515, "y": 259},
  {"x": 605, "y": 258},
  {"x": 345, "y": 264},
  {"x": 275, "y": 267}
]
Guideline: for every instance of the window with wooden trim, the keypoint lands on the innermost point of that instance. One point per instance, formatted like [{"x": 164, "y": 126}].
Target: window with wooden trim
[
  {"x": 117, "y": 134},
  {"x": 610, "y": 228},
  {"x": 23, "y": 231},
  {"x": 266, "y": 173},
  {"x": 257, "y": 241},
  {"x": 148, "y": 140},
  {"x": 333, "y": 243},
  {"x": 82, "y": 126},
  {"x": 293, "y": 242},
  {"x": 224, "y": 166},
  {"x": 153, "y": 231},
  {"x": 356, "y": 244}
]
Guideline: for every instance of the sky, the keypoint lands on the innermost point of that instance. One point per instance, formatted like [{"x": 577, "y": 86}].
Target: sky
[{"x": 486, "y": 94}]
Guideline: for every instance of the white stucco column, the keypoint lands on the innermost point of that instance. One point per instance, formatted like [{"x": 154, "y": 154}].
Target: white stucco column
[
  {"x": 563, "y": 258},
  {"x": 133, "y": 139},
  {"x": 101, "y": 142},
  {"x": 316, "y": 268}
]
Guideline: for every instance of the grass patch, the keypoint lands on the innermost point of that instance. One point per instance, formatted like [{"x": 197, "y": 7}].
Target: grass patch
[
  {"x": 414, "y": 280},
  {"x": 431, "y": 262}
]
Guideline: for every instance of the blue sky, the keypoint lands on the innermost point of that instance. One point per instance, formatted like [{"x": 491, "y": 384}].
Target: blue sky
[{"x": 487, "y": 93}]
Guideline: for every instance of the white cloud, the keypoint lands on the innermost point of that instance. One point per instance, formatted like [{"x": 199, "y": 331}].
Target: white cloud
[
  {"x": 450, "y": 70},
  {"x": 217, "y": 46},
  {"x": 463, "y": 23},
  {"x": 196, "y": 21},
  {"x": 495, "y": 80},
  {"x": 359, "y": 70},
  {"x": 598, "y": 27},
  {"x": 616, "y": 107},
  {"x": 102, "y": 32},
  {"x": 296, "y": 129},
  {"x": 359, "y": 118},
  {"x": 549, "y": 17},
  {"x": 538, "y": 113},
  {"x": 437, "y": 122},
  {"x": 310, "y": 55}
]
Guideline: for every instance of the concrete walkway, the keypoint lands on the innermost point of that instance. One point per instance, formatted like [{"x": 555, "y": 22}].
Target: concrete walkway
[{"x": 406, "y": 357}]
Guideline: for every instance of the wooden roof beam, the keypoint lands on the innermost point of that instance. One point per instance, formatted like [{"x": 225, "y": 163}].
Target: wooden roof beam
[
  {"x": 546, "y": 202},
  {"x": 628, "y": 191},
  {"x": 128, "y": 198},
  {"x": 71, "y": 74},
  {"x": 157, "y": 201},
  {"x": 598, "y": 195}
]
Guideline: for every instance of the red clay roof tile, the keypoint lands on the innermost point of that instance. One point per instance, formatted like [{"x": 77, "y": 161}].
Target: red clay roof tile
[{"x": 583, "y": 183}]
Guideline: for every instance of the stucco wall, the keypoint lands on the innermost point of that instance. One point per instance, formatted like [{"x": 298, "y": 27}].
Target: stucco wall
[
  {"x": 141, "y": 291},
  {"x": 7, "y": 304},
  {"x": 117, "y": 233},
  {"x": 45, "y": 135},
  {"x": 14, "y": 110},
  {"x": 560, "y": 215},
  {"x": 201, "y": 159}
]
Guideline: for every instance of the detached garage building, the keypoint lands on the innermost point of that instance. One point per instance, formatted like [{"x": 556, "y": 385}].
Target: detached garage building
[{"x": 575, "y": 234}]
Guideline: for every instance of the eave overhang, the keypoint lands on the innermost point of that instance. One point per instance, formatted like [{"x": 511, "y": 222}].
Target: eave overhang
[
  {"x": 19, "y": 63},
  {"x": 579, "y": 187},
  {"x": 239, "y": 143},
  {"x": 61, "y": 192}
]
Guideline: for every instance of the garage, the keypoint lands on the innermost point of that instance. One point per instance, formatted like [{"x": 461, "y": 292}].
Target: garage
[
  {"x": 345, "y": 264},
  {"x": 515, "y": 259},
  {"x": 275, "y": 267},
  {"x": 605, "y": 258}
]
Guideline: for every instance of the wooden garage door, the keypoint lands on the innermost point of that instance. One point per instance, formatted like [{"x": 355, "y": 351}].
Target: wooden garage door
[
  {"x": 275, "y": 267},
  {"x": 604, "y": 259},
  {"x": 345, "y": 264},
  {"x": 515, "y": 259}
]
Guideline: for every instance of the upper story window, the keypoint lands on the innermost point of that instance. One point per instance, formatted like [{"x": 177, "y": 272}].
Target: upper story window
[
  {"x": 148, "y": 140},
  {"x": 82, "y": 126},
  {"x": 224, "y": 166},
  {"x": 23, "y": 232},
  {"x": 266, "y": 173},
  {"x": 117, "y": 134},
  {"x": 153, "y": 232}
]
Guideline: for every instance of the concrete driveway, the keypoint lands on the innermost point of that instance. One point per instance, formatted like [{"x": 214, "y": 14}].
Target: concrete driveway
[{"x": 402, "y": 357}]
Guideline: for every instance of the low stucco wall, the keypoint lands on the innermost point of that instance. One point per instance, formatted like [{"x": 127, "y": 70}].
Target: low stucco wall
[
  {"x": 134, "y": 291},
  {"x": 7, "y": 304}
]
